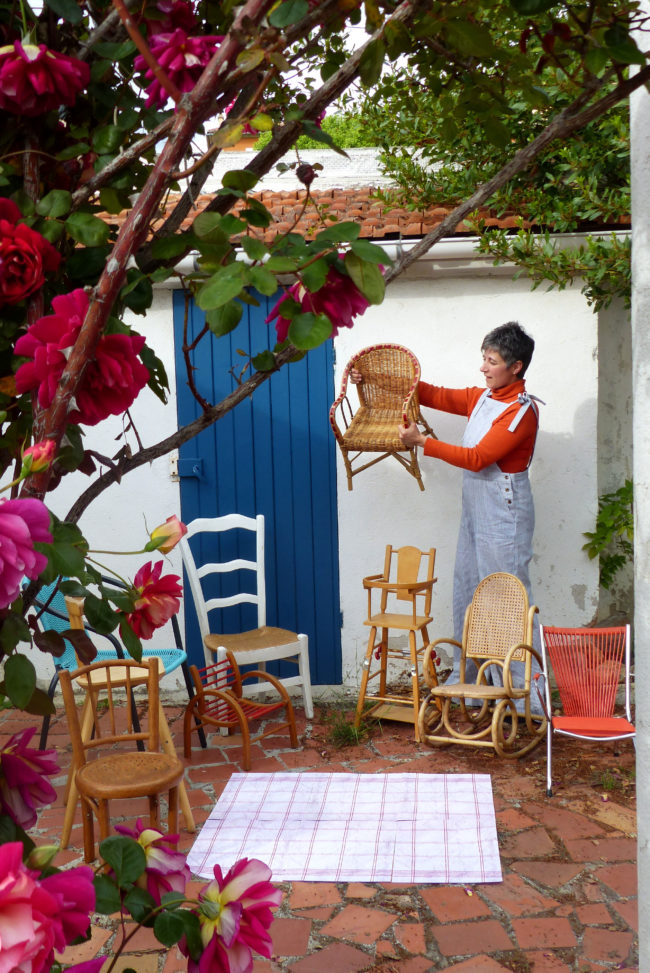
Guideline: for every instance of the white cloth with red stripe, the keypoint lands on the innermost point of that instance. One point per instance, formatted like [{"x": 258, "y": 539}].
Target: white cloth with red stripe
[{"x": 318, "y": 827}]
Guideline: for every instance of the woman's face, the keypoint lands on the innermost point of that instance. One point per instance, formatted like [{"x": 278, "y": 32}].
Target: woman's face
[{"x": 495, "y": 371}]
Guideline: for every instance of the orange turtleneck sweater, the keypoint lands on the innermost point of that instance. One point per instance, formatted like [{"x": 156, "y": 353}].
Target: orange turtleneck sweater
[{"x": 511, "y": 451}]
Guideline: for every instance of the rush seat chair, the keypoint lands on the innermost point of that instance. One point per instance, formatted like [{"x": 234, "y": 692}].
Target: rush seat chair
[
  {"x": 498, "y": 631},
  {"x": 388, "y": 398},
  {"x": 219, "y": 702},
  {"x": 105, "y": 731},
  {"x": 255, "y": 646},
  {"x": 406, "y": 583},
  {"x": 586, "y": 664}
]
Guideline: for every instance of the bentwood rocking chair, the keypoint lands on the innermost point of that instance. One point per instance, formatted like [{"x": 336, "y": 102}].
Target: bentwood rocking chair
[
  {"x": 587, "y": 664},
  {"x": 405, "y": 590},
  {"x": 388, "y": 398},
  {"x": 498, "y": 632}
]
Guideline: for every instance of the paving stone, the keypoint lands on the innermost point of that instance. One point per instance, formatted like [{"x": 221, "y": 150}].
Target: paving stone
[
  {"x": 414, "y": 964},
  {"x": 337, "y": 958},
  {"x": 359, "y": 924},
  {"x": 86, "y": 951},
  {"x": 322, "y": 912},
  {"x": 516, "y": 897},
  {"x": 555, "y": 933},
  {"x": 313, "y": 893},
  {"x": 628, "y": 910},
  {"x": 602, "y": 849},
  {"x": 512, "y": 819},
  {"x": 468, "y": 938},
  {"x": 545, "y": 961},
  {"x": 386, "y": 948},
  {"x": 621, "y": 878},
  {"x": 449, "y": 903},
  {"x": 532, "y": 843},
  {"x": 478, "y": 964},
  {"x": 606, "y": 945},
  {"x": 552, "y": 874},
  {"x": 567, "y": 823},
  {"x": 411, "y": 935},
  {"x": 596, "y": 914},
  {"x": 357, "y": 890},
  {"x": 143, "y": 963},
  {"x": 290, "y": 936}
]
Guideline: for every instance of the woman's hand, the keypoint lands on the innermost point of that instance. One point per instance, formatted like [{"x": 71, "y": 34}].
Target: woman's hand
[
  {"x": 411, "y": 435},
  {"x": 355, "y": 376}
]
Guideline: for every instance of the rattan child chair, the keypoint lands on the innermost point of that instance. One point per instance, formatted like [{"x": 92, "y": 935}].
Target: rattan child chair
[
  {"x": 498, "y": 631},
  {"x": 388, "y": 398}
]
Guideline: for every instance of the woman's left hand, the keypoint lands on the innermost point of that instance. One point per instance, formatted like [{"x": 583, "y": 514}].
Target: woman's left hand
[{"x": 411, "y": 435}]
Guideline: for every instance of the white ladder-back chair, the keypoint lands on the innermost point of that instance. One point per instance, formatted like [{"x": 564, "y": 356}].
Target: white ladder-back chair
[{"x": 255, "y": 646}]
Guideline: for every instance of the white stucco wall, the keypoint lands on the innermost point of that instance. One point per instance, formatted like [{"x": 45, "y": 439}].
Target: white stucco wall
[
  {"x": 443, "y": 318},
  {"x": 441, "y": 309}
]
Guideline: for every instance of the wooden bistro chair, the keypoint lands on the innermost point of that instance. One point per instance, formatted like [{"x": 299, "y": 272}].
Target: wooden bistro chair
[
  {"x": 407, "y": 580},
  {"x": 388, "y": 398},
  {"x": 107, "y": 763},
  {"x": 587, "y": 664},
  {"x": 256, "y": 646},
  {"x": 498, "y": 631},
  {"x": 219, "y": 702}
]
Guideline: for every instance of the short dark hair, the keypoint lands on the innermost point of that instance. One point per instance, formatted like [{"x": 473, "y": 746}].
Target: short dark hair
[{"x": 512, "y": 343}]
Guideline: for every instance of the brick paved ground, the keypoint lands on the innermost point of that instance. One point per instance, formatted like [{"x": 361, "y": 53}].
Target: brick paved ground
[{"x": 567, "y": 903}]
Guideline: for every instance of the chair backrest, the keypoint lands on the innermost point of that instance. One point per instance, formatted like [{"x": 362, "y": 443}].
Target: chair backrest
[
  {"x": 406, "y": 565},
  {"x": 195, "y": 575},
  {"x": 390, "y": 378},
  {"x": 222, "y": 675},
  {"x": 587, "y": 664},
  {"x": 108, "y": 685},
  {"x": 497, "y": 618}
]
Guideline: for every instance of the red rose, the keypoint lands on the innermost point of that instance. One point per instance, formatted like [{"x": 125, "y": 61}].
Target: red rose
[
  {"x": 157, "y": 599},
  {"x": 111, "y": 381},
  {"x": 25, "y": 256},
  {"x": 34, "y": 79}
]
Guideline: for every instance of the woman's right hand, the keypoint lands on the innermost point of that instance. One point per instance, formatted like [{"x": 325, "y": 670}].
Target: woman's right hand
[{"x": 355, "y": 376}]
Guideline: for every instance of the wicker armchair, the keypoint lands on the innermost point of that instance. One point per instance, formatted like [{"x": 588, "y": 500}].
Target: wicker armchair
[{"x": 387, "y": 399}]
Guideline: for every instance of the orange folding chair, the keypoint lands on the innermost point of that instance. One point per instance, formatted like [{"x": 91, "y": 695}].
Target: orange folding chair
[{"x": 586, "y": 664}]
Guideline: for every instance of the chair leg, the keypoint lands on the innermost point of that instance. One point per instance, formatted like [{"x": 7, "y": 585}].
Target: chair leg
[
  {"x": 172, "y": 810},
  {"x": 303, "y": 668},
  {"x": 549, "y": 765},
  {"x": 365, "y": 673},
  {"x": 383, "y": 663},
  {"x": 415, "y": 684},
  {"x": 190, "y": 693},
  {"x": 88, "y": 831},
  {"x": 348, "y": 466}
]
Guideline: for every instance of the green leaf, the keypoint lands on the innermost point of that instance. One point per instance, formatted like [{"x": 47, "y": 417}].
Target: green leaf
[
  {"x": 528, "y": 8},
  {"x": 265, "y": 282},
  {"x": 132, "y": 643},
  {"x": 221, "y": 287},
  {"x": 231, "y": 225},
  {"x": 69, "y": 10},
  {"x": 158, "y": 381},
  {"x": 141, "y": 904},
  {"x": 125, "y": 856},
  {"x": 308, "y": 330},
  {"x": 264, "y": 362},
  {"x": 55, "y": 204},
  {"x": 596, "y": 59},
  {"x": 240, "y": 179},
  {"x": 262, "y": 122},
  {"x": 168, "y": 928},
  {"x": 137, "y": 293},
  {"x": 253, "y": 248},
  {"x": 87, "y": 229},
  {"x": 622, "y": 47},
  {"x": 281, "y": 264},
  {"x": 107, "y": 895},
  {"x": 470, "y": 39},
  {"x": 223, "y": 320},
  {"x": 314, "y": 131},
  {"x": 249, "y": 59},
  {"x": 166, "y": 248},
  {"x": 368, "y": 278},
  {"x": 372, "y": 62},
  {"x": 100, "y": 614},
  {"x": 370, "y": 252},
  {"x": 20, "y": 680},
  {"x": 67, "y": 559},
  {"x": 313, "y": 276},
  {"x": 338, "y": 233},
  {"x": 227, "y": 134},
  {"x": 107, "y": 140},
  {"x": 114, "y": 200},
  {"x": 254, "y": 217},
  {"x": 14, "y": 630},
  {"x": 192, "y": 932},
  {"x": 115, "y": 52},
  {"x": 287, "y": 13}
]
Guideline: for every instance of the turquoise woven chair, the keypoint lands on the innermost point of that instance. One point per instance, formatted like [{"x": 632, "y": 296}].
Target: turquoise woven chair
[{"x": 53, "y": 615}]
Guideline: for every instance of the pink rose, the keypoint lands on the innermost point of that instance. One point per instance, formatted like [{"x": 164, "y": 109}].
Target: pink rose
[
  {"x": 39, "y": 917},
  {"x": 38, "y": 457},
  {"x": 22, "y": 523},
  {"x": 339, "y": 298},
  {"x": 181, "y": 57},
  {"x": 157, "y": 599},
  {"x": 34, "y": 79},
  {"x": 169, "y": 533},
  {"x": 25, "y": 256},
  {"x": 23, "y": 787},
  {"x": 166, "y": 869},
  {"x": 111, "y": 381}
]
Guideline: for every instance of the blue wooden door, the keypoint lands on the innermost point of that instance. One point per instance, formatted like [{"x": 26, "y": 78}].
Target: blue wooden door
[{"x": 273, "y": 454}]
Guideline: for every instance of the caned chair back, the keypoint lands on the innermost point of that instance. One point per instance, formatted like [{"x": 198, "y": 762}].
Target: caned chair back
[
  {"x": 498, "y": 618},
  {"x": 390, "y": 377},
  {"x": 587, "y": 664}
]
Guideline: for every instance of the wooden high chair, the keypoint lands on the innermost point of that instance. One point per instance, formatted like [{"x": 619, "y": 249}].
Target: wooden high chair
[{"x": 407, "y": 577}]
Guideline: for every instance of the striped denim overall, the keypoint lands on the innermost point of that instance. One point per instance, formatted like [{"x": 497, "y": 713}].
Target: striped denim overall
[{"x": 496, "y": 526}]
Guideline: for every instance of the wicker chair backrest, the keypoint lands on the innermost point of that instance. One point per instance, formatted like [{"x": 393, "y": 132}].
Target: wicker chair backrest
[{"x": 497, "y": 618}]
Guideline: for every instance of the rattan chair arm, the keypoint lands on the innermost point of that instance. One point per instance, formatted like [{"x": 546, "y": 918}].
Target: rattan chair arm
[
  {"x": 507, "y": 677},
  {"x": 267, "y": 677},
  {"x": 446, "y": 641}
]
